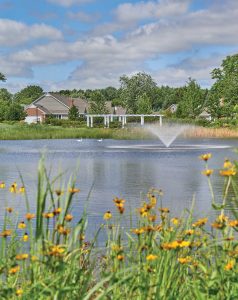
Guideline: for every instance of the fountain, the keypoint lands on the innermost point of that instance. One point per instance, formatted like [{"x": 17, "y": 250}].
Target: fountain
[{"x": 168, "y": 132}]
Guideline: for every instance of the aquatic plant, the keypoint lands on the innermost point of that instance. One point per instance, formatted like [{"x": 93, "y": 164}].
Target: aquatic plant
[{"x": 47, "y": 254}]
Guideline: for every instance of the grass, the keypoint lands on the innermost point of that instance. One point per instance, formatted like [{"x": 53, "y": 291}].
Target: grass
[
  {"x": 22, "y": 131},
  {"x": 48, "y": 256}
]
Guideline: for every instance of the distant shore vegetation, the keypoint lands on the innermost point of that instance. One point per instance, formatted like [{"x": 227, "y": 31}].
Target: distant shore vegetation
[{"x": 140, "y": 94}]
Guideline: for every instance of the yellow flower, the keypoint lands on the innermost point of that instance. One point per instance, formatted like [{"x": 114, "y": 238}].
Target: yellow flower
[
  {"x": 175, "y": 221},
  {"x": 9, "y": 209},
  {"x": 21, "y": 225},
  {"x": 207, "y": 172},
  {"x": 117, "y": 248},
  {"x": 164, "y": 210},
  {"x": 59, "y": 192},
  {"x": 14, "y": 270},
  {"x": 189, "y": 232},
  {"x": 13, "y": 188},
  {"x": 22, "y": 189},
  {"x": 2, "y": 185},
  {"x": 228, "y": 172},
  {"x": 138, "y": 231},
  {"x": 227, "y": 164},
  {"x": 25, "y": 237},
  {"x": 151, "y": 257},
  {"x": 143, "y": 211},
  {"x": 19, "y": 292},
  {"x": 57, "y": 211},
  {"x": 107, "y": 215},
  {"x": 230, "y": 265},
  {"x": 120, "y": 257},
  {"x": 233, "y": 223},
  {"x": 63, "y": 230},
  {"x": 73, "y": 190},
  {"x": 119, "y": 202},
  {"x": 200, "y": 222},
  {"x": 68, "y": 217},
  {"x": 153, "y": 200},
  {"x": 48, "y": 215},
  {"x": 22, "y": 256},
  {"x": 56, "y": 250},
  {"x": 34, "y": 258},
  {"x": 30, "y": 216},
  {"x": 6, "y": 233},
  {"x": 184, "y": 260},
  {"x": 206, "y": 156}
]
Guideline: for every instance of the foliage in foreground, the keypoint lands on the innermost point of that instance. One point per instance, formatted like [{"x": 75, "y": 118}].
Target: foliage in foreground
[{"x": 45, "y": 256}]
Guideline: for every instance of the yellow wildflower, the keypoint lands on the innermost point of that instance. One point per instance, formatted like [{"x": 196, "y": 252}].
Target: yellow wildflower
[
  {"x": 227, "y": 164},
  {"x": 22, "y": 189},
  {"x": 12, "y": 189},
  {"x": 233, "y": 223},
  {"x": 175, "y": 221},
  {"x": 189, "y": 232},
  {"x": 119, "y": 202},
  {"x": 74, "y": 190},
  {"x": 59, "y": 192},
  {"x": 230, "y": 265},
  {"x": 138, "y": 231},
  {"x": 48, "y": 215},
  {"x": 57, "y": 211},
  {"x": 151, "y": 257},
  {"x": 164, "y": 210},
  {"x": 14, "y": 270},
  {"x": 2, "y": 185},
  {"x": 30, "y": 216},
  {"x": 22, "y": 256},
  {"x": 19, "y": 292},
  {"x": 62, "y": 230},
  {"x": 207, "y": 172},
  {"x": 206, "y": 156},
  {"x": 184, "y": 260},
  {"x": 228, "y": 172},
  {"x": 107, "y": 215},
  {"x": 56, "y": 250},
  {"x": 200, "y": 222},
  {"x": 68, "y": 217},
  {"x": 6, "y": 233},
  {"x": 120, "y": 257},
  {"x": 9, "y": 209},
  {"x": 25, "y": 237},
  {"x": 21, "y": 225}
]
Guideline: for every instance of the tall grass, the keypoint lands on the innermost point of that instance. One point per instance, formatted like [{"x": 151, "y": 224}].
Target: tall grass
[{"x": 158, "y": 257}]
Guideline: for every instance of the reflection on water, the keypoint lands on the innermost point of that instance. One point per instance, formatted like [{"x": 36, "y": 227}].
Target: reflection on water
[{"x": 117, "y": 168}]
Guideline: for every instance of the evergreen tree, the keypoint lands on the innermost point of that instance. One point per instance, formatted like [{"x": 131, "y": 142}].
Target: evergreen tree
[{"x": 73, "y": 113}]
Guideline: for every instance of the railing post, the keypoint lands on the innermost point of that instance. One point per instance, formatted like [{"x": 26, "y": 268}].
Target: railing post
[
  {"x": 87, "y": 121},
  {"x": 142, "y": 120},
  {"x": 160, "y": 120},
  {"x": 91, "y": 121}
]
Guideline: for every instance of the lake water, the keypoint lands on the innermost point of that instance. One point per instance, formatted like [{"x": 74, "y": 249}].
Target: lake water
[{"x": 112, "y": 168}]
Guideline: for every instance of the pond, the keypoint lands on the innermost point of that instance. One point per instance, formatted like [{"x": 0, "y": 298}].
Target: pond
[{"x": 111, "y": 168}]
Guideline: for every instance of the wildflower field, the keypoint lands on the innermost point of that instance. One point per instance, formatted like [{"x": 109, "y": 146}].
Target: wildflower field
[{"x": 47, "y": 255}]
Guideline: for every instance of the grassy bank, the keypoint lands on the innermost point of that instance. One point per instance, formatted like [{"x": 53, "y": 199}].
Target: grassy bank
[
  {"x": 21, "y": 131},
  {"x": 44, "y": 256}
]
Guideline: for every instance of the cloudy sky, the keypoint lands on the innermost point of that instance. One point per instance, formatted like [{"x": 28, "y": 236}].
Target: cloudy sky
[{"x": 66, "y": 44}]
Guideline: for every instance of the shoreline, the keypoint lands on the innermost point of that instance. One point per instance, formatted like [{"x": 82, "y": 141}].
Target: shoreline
[{"x": 33, "y": 132}]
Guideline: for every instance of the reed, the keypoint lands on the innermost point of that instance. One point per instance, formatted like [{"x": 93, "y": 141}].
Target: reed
[
  {"x": 204, "y": 132},
  {"x": 48, "y": 255}
]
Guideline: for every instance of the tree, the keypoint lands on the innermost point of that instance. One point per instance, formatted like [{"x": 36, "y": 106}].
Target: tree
[
  {"x": 135, "y": 86},
  {"x": 2, "y": 77},
  {"x": 15, "y": 112},
  {"x": 223, "y": 95},
  {"x": 28, "y": 94},
  {"x": 97, "y": 103},
  {"x": 5, "y": 95},
  {"x": 192, "y": 102},
  {"x": 144, "y": 105},
  {"x": 73, "y": 114}
]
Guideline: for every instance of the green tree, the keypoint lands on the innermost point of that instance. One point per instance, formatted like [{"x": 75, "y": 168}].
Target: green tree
[
  {"x": 223, "y": 95},
  {"x": 73, "y": 114},
  {"x": 15, "y": 112},
  {"x": 144, "y": 104},
  {"x": 97, "y": 103},
  {"x": 2, "y": 77},
  {"x": 193, "y": 100},
  {"x": 28, "y": 94},
  {"x": 5, "y": 95},
  {"x": 135, "y": 86}
]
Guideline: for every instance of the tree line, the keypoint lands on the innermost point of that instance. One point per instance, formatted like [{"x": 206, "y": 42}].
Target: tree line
[{"x": 140, "y": 94}]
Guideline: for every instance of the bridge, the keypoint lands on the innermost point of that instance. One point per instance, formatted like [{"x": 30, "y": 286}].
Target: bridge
[{"x": 121, "y": 118}]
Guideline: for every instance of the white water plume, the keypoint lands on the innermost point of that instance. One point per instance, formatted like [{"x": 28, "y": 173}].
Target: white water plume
[{"x": 167, "y": 133}]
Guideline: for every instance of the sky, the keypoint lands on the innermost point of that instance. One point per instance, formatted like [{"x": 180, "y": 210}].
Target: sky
[{"x": 89, "y": 44}]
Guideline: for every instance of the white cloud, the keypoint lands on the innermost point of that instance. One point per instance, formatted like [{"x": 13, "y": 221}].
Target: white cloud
[
  {"x": 14, "y": 33},
  {"x": 83, "y": 17},
  {"x": 68, "y": 3}
]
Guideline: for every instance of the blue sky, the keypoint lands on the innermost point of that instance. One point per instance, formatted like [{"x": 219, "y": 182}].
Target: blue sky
[{"x": 66, "y": 44}]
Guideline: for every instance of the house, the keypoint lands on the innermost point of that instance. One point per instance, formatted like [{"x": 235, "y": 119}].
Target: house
[
  {"x": 172, "y": 108},
  {"x": 56, "y": 105},
  {"x": 205, "y": 115}
]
